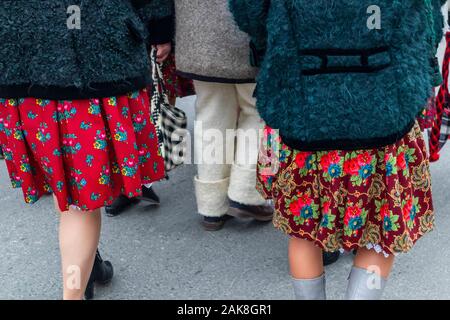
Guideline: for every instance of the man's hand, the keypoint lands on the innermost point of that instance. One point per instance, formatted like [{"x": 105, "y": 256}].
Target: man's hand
[{"x": 163, "y": 51}]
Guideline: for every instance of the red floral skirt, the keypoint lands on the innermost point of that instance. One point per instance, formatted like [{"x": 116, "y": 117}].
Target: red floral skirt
[
  {"x": 177, "y": 87},
  {"x": 378, "y": 198},
  {"x": 85, "y": 152}
]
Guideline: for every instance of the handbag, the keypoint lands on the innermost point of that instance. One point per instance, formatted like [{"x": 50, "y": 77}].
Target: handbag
[{"x": 170, "y": 121}]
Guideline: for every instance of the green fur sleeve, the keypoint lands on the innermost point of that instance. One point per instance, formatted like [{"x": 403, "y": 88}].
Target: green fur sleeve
[
  {"x": 438, "y": 19},
  {"x": 251, "y": 16},
  {"x": 158, "y": 16},
  {"x": 153, "y": 9}
]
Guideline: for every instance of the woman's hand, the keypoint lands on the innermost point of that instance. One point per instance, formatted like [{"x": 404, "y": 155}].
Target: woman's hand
[{"x": 163, "y": 51}]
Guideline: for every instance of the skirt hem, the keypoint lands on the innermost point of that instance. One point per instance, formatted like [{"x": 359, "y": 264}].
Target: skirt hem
[{"x": 348, "y": 248}]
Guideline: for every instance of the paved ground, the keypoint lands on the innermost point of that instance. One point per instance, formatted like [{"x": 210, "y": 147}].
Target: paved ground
[{"x": 163, "y": 253}]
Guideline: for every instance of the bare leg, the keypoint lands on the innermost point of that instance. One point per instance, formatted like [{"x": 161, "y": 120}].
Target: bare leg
[
  {"x": 305, "y": 259},
  {"x": 307, "y": 271},
  {"x": 375, "y": 262},
  {"x": 369, "y": 275},
  {"x": 79, "y": 234}
]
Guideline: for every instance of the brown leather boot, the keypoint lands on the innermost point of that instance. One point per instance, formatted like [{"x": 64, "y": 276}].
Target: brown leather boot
[{"x": 263, "y": 213}]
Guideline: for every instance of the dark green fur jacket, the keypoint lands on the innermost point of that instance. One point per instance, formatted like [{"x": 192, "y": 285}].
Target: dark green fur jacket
[
  {"x": 44, "y": 56},
  {"x": 334, "y": 77}
]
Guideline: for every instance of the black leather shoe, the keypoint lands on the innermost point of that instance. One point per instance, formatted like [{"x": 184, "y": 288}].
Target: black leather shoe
[
  {"x": 102, "y": 273},
  {"x": 149, "y": 195},
  {"x": 215, "y": 223},
  {"x": 330, "y": 257},
  {"x": 121, "y": 204}
]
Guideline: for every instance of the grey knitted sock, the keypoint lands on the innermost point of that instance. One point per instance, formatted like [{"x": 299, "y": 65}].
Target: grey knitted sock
[
  {"x": 310, "y": 289},
  {"x": 364, "y": 285}
]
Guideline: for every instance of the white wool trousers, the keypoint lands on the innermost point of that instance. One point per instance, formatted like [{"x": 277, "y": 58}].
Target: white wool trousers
[{"x": 226, "y": 139}]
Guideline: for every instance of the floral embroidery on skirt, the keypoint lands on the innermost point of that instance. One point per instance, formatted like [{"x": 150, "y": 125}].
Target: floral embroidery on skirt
[
  {"x": 350, "y": 199},
  {"x": 86, "y": 152},
  {"x": 176, "y": 85}
]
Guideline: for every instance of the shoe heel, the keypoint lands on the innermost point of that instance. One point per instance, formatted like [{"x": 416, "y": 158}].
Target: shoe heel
[{"x": 89, "y": 293}]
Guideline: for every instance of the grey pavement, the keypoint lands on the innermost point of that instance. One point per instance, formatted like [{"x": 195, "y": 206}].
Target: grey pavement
[{"x": 163, "y": 253}]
